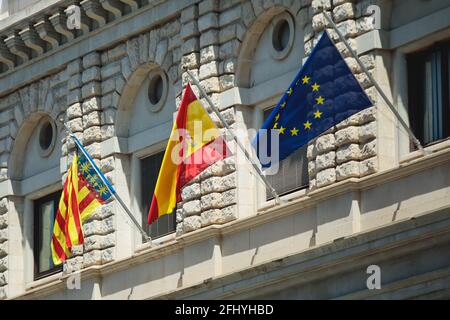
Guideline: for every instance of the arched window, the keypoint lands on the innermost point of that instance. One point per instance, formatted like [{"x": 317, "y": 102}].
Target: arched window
[
  {"x": 35, "y": 168},
  {"x": 145, "y": 119},
  {"x": 269, "y": 60}
]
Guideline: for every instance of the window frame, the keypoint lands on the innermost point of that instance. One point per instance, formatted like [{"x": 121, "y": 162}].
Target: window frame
[
  {"x": 415, "y": 66},
  {"x": 37, "y": 275},
  {"x": 268, "y": 195},
  {"x": 146, "y": 226}
]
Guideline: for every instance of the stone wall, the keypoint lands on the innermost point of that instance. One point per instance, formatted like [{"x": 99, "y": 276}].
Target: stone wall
[
  {"x": 205, "y": 38},
  {"x": 3, "y": 247},
  {"x": 348, "y": 149}
]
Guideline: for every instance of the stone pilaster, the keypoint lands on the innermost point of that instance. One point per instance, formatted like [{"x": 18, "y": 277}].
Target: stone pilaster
[
  {"x": 211, "y": 32},
  {"x": 350, "y": 148},
  {"x": 3, "y": 247}
]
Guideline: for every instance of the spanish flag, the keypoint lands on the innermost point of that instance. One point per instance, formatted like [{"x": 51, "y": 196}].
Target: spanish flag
[
  {"x": 195, "y": 143},
  {"x": 83, "y": 192}
]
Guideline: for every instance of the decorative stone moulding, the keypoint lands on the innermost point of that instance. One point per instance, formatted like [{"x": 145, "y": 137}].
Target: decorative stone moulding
[
  {"x": 46, "y": 31},
  {"x": 155, "y": 76},
  {"x": 279, "y": 24}
]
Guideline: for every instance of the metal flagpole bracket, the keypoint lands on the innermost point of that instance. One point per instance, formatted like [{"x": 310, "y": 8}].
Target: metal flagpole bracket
[
  {"x": 114, "y": 194},
  {"x": 235, "y": 138},
  {"x": 375, "y": 84}
]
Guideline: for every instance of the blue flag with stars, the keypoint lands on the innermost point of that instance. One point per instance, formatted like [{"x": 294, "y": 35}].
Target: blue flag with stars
[{"x": 323, "y": 93}]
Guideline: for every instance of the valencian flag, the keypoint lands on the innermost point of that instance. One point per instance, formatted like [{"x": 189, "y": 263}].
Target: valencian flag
[
  {"x": 323, "y": 93},
  {"x": 194, "y": 144},
  {"x": 84, "y": 191}
]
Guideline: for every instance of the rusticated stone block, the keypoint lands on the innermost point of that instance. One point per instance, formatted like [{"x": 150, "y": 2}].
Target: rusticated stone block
[
  {"x": 326, "y": 160},
  {"x": 348, "y": 152},
  {"x": 218, "y": 184},
  {"x": 347, "y": 135},
  {"x": 73, "y": 67},
  {"x": 191, "y": 208},
  {"x": 3, "y": 206},
  {"x": 92, "y": 134},
  {"x": 347, "y": 170},
  {"x": 3, "y": 279},
  {"x": 344, "y": 11},
  {"x": 192, "y": 223},
  {"x": 90, "y": 105},
  {"x": 191, "y": 192},
  {"x": 191, "y": 60},
  {"x": 3, "y": 264},
  {"x": 325, "y": 143},
  {"x": 91, "y": 59},
  {"x": 91, "y": 119},
  {"x": 325, "y": 177},
  {"x": 103, "y": 212},
  {"x": 99, "y": 227},
  {"x": 208, "y": 70},
  {"x": 368, "y": 132},
  {"x": 91, "y": 74},
  {"x": 3, "y": 249},
  {"x": 3, "y": 221},
  {"x": 368, "y": 166},
  {"x": 98, "y": 242},
  {"x": 218, "y": 216},
  {"x": 74, "y": 111},
  {"x": 179, "y": 229},
  {"x": 369, "y": 149}
]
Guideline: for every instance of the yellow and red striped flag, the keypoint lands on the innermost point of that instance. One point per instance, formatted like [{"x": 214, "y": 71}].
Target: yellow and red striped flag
[
  {"x": 195, "y": 143},
  {"x": 84, "y": 191}
]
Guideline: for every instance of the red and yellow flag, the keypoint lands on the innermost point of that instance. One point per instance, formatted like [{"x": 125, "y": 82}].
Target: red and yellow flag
[
  {"x": 83, "y": 192},
  {"x": 195, "y": 143}
]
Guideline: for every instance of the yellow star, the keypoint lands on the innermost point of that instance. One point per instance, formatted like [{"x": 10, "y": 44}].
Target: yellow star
[
  {"x": 85, "y": 168},
  {"x": 95, "y": 183},
  {"x": 294, "y": 132},
  {"x": 317, "y": 114},
  {"x": 306, "y": 79},
  {"x": 289, "y": 92},
  {"x": 102, "y": 190},
  {"x": 277, "y": 117},
  {"x": 296, "y": 82},
  {"x": 275, "y": 125},
  {"x": 307, "y": 125},
  {"x": 283, "y": 105},
  {"x": 315, "y": 87},
  {"x": 320, "y": 100},
  {"x": 282, "y": 129}
]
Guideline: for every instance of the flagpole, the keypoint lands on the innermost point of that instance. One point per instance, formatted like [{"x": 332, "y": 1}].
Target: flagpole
[
  {"x": 376, "y": 85},
  {"x": 106, "y": 183},
  {"x": 241, "y": 146}
]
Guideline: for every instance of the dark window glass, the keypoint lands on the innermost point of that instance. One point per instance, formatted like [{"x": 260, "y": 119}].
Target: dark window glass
[
  {"x": 428, "y": 87},
  {"x": 149, "y": 175},
  {"x": 46, "y": 136},
  {"x": 292, "y": 174},
  {"x": 44, "y": 216}
]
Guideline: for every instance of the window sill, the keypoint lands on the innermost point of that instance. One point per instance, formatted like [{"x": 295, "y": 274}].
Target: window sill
[
  {"x": 156, "y": 242},
  {"x": 44, "y": 281},
  {"x": 285, "y": 198},
  {"x": 445, "y": 144}
]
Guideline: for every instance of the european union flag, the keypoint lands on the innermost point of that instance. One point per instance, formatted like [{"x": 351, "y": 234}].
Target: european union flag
[{"x": 323, "y": 93}]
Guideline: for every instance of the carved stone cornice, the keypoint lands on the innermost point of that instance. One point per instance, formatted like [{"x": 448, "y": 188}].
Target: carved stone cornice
[
  {"x": 17, "y": 46},
  {"x": 113, "y": 6},
  {"x": 59, "y": 23},
  {"x": 95, "y": 11},
  {"x": 48, "y": 27},
  {"x": 32, "y": 40},
  {"x": 6, "y": 57},
  {"x": 47, "y": 33},
  {"x": 134, "y": 5}
]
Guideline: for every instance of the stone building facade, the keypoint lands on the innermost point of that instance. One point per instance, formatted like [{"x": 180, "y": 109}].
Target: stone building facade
[{"x": 362, "y": 194}]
